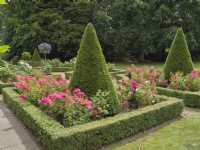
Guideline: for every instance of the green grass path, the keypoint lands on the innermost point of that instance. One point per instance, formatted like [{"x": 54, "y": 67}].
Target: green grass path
[{"x": 183, "y": 134}]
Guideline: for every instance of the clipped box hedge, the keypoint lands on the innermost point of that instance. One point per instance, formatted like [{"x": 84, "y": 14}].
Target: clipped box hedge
[
  {"x": 3, "y": 85},
  {"x": 62, "y": 69},
  {"x": 191, "y": 99},
  {"x": 93, "y": 135}
]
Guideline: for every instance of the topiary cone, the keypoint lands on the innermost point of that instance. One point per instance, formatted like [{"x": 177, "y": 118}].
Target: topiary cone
[
  {"x": 36, "y": 56},
  {"x": 91, "y": 73},
  {"x": 179, "y": 58}
]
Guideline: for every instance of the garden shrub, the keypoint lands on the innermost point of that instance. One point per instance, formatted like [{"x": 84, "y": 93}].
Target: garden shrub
[
  {"x": 179, "y": 58},
  {"x": 55, "y": 62},
  {"x": 91, "y": 73},
  {"x": 36, "y": 56},
  {"x": 26, "y": 56},
  {"x": 15, "y": 60},
  {"x": 6, "y": 74},
  {"x": 3, "y": 63}
]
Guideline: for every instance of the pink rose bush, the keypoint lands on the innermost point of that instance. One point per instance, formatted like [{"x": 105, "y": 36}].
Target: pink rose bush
[
  {"x": 134, "y": 95},
  {"x": 34, "y": 89},
  {"x": 146, "y": 74},
  {"x": 190, "y": 82},
  {"x": 68, "y": 108},
  {"x": 177, "y": 81}
]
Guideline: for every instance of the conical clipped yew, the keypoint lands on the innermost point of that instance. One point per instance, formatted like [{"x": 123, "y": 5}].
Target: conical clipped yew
[
  {"x": 179, "y": 58},
  {"x": 36, "y": 56},
  {"x": 90, "y": 72}
]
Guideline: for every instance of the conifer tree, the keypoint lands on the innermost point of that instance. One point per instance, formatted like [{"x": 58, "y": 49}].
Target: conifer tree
[
  {"x": 36, "y": 56},
  {"x": 91, "y": 73},
  {"x": 179, "y": 58}
]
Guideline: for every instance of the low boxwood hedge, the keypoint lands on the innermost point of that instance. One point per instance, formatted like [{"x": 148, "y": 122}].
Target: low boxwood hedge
[
  {"x": 191, "y": 99},
  {"x": 62, "y": 69},
  {"x": 93, "y": 135},
  {"x": 3, "y": 85}
]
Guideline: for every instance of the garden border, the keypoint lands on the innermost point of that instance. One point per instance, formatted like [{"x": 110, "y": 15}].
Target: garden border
[
  {"x": 191, "y": 99},
  {"x": 4, "y": 85},
  {"x": 93, "y": 135}
]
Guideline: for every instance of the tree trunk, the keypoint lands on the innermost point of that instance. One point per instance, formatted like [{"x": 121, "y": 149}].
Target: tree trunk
[{"x": 141, "y": 57}]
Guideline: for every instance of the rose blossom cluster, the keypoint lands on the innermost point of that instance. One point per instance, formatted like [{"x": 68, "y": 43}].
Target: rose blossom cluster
[
  {"x": 144, "y": 74},
  {"x": 190, "y": 82}
]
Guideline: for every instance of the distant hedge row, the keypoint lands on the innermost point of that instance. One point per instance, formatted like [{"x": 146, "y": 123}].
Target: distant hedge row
[
  {"x": 92, "y": 135},
  {"x": 191, "y": 99}
]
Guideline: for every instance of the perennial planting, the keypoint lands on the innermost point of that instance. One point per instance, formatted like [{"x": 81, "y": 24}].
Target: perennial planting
[{"x": 52, "y": 95}]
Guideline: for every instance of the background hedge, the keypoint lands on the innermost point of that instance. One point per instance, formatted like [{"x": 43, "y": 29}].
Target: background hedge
[
  {"x": 191, "y": 99},
  {"x": 92, "y": 135}
]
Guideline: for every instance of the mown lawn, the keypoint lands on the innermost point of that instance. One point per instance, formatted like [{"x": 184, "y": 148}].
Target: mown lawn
[
  {"x": 183, "y": 134},
  {"x": 157, "y": 65}
]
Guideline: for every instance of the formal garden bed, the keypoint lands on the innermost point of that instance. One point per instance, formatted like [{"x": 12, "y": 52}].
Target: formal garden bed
[
  {"x": 87, "y": 110},
  {"x": 92, "y": 135},
  {"x": 93, "y": 104}
]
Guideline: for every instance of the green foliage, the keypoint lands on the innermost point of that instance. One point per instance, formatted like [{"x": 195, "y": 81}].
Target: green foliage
[
  {"x": 6, "y": 56},
  {"x": 3, "y": 2},
  {"x": 15, "y": 60},
  {"x": 91, "y": 73},
  {"x": 179, "y": 58},
  {"x": 110, "y": 66},
  {"x": 60, "y": 24},
  {"x": 4, "y": 48},
  {"x": 6, "y": 74},
  {"x": 26, "y": 56},
  {"x": 101, "y": 102},
  {"x": 99, "y": 133},
  {"x": 36, "y": 56},
  {"x": 191, "y": 99},
  {"x": 55, "y": 62},
  {"x": 3, "y": 63},
  {"x": 47, "y": 69}
]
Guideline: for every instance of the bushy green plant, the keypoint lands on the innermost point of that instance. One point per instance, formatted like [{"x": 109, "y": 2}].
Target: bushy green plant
[
  {"x": 23, "y": 66},
  {"x": 36, "y": 56},
  {"x": 47, "y": 69},
  {"x": 26, "y": 56},
  {"x": 6, "y": 56},
  {"x": 100, "y": 102},
  {"x": 179, "y": 58},
  {"x": 3, "y": 63},
  {"x": 91, "y": 73},
  {"x": 55, "y": 62},
  {"x": 15, "y": 60},
  {"x": 6, "y": 74}
]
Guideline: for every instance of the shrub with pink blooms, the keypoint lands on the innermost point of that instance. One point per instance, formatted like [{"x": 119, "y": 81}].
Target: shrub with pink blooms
[
  {"x": 33, "y": 89},
  {"x": 144, "y": 74},
  {"x": 68, "y": 108},
  {"x": 190, "y": 82},
  {"x": 136, "y": 95}
]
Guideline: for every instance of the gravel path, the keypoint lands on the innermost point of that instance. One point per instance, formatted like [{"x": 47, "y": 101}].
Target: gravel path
[{"x": 13, "y": 135}]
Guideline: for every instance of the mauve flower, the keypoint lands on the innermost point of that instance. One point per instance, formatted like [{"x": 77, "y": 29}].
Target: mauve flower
[
  {"x": 95, "y": 112},
  {"x": 186, "y": 88},
  {"x": 22, "y": 96},
  {"x": 89, "y": 106}
]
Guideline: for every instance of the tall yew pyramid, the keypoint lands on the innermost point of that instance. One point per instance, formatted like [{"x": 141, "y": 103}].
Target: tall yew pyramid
[
  {"x": 91, "y": 73},
  {"x": 179, "y": 58}
]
